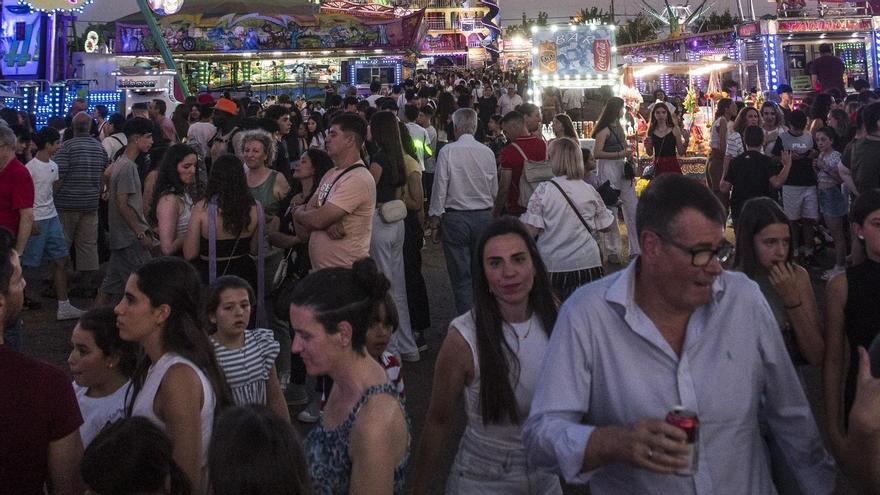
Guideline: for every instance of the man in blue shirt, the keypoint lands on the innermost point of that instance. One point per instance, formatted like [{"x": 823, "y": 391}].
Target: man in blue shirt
[{"x": 673, "y": 328}]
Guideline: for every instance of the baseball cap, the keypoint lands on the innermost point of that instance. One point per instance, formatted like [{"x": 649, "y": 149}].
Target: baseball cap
[
  {"x": 205, "y": 99},
  {"x": 226, "y": 105}
]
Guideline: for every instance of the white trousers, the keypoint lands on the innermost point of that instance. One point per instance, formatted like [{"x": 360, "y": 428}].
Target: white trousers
[
  {"x": 612, "y": 171},
  {"x": 386, "y": 248}
]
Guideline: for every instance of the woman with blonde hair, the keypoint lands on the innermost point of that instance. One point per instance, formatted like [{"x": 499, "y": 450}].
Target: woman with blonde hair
[{"x": 565, "y": 212}]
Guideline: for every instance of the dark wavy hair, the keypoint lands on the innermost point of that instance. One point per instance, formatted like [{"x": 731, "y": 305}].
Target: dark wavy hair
[
  {"x": 757, "y": 213},
  {"x": 227, "y": 186},
  {"x": 499, "y": 366},
  {"x": 567, "y": 125},
  {"x": 255, "y": 451},
  {"x": 322, "y": 163},
  {"x": 319, "y": 127},
  {"x": 721, "y": 107},
  {"x": 344, "y": 294},
  {"x": 174, "y": 282},
  {"x": 132, "y": 456},
  {"x": 386, "y": 135},
  {"x": 610, "y": 114},
  {"x": 168, "y": 180},
  {"x": 101, "y": 323},
  {"x": 844, "y": 128}
]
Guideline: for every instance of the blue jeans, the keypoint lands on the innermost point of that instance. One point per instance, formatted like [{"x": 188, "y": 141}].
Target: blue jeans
[{"x": 459, "y": 232}]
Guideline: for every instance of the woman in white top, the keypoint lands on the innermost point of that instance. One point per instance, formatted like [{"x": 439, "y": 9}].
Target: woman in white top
[
  {"x": 178, "y": 384},
  {"x": 490, "y": 359},
  {"x": 101, "y": 364},
  {"x": 171, "y": 207},
  {"x": 725, "y": 111},
  {"x": 772, "y": 123},
  {"x": 315, "y": 126},
  {"x": 567, "y": 245}
]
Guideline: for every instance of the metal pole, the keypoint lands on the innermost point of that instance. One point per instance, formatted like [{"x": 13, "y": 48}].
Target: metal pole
[{"x": 161, "y": 44}]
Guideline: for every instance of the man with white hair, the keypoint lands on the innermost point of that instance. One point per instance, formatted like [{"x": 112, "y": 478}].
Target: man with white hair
[
  {"x": 465, "y": 184},
  {"x": 510, "y": 100}
]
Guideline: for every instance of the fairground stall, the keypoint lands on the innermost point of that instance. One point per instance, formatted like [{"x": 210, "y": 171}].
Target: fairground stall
[
  {"x": 272, "y": 51},
  {"x": 698, "y": 111},
  {"x": 784, "y": 48},
  {"x": 573, "y": 57}
]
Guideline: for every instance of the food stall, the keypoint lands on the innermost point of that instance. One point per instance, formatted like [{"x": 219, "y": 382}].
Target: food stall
[
  {"x": 784, "y": 48},
  {"x": 573, "y": 57},
  {"x": 274, "y": 50}
]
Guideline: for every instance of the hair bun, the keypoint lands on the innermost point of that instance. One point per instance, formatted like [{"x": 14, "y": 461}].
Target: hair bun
[{"x": 370, "y": 279}]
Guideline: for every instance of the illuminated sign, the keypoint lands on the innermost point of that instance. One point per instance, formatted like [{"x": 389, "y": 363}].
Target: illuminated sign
[
  {"x": 747, "y": 30},
  {"x": 823, "y": 25},
  {"x": 22, "y": 34},
  {"x": 91, "y": 45},
  {"x": 165, "y": 7},
  {"x": 574, "y": 50},
  {"x": 136, "y": 83},
  {"x": 56, "y": 5}
]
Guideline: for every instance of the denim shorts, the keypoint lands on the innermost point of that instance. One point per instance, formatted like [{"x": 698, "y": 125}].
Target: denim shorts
[
  {"x": 485, "y": 470},
  {"x": 832, "y": 202},
  {"x": 48, "y": 244}
]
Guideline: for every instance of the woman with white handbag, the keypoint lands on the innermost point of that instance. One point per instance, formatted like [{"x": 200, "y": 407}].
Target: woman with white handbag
[{"x": 386, "y": 242}]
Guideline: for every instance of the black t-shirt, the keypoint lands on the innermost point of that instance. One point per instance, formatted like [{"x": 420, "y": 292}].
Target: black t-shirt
[
  {"x": 802, "y": 172},
  {"x": 749, "y": 173},
  {"x": 486, "y": 107},
  {"x": 385, "y": 190},
  {"x": 828, "y": 70}
]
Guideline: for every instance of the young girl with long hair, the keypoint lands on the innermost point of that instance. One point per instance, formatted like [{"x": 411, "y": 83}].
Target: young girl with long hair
[
  {"x": 315, "y": 127},
  {"x": 177, "y": 384},
  {"x": 664, "y": 141},
  {"x": 490, "y": 360},
  {"x": 832, "y": 203},
  {"x": 246, "y": 356},
  {"x": 172, "y": 204}
]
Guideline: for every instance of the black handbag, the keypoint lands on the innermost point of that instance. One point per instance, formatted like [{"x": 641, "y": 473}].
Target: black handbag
[{"x": 610, "y": 196}]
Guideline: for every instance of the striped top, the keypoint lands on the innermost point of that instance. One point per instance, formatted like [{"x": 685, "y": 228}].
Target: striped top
[
  {"x": 247, "y": 368},
  {"x": 81, "y": 162}
]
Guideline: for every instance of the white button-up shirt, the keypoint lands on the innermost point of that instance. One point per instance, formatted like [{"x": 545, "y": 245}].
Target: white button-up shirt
[
  {"x": 466, "y": 177},
  {"x": 607, "y": 364}
]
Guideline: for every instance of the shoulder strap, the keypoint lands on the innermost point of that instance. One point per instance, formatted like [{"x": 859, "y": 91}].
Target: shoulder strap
[
  {"x": 573, "y": 207},
  {"x": 521, "y": 152},
  {"x": 349, "y": 169},
  {"x": 261, "y": 269},
  {"x": 212, "y": 241}
]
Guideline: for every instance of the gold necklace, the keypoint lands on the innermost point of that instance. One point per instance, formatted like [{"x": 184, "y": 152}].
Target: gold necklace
[{"x": 522, "y": 337}]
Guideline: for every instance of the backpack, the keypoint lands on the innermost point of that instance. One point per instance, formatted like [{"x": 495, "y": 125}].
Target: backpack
[
  {"x": 533, "y": 173},
  {"x": 221, "y": 144}
]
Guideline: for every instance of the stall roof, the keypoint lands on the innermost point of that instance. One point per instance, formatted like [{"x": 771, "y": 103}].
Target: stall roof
[{"x": 704, "y": 67}]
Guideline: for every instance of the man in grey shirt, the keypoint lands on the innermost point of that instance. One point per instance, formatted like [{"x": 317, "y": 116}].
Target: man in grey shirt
[{"x": 130, "y": 238}]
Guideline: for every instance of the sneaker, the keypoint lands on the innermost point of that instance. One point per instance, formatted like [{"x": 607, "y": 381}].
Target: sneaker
[
  {"x": 312, "y": 413},
  {"x": 410, "y": 357},
  {"x": 421, "y": 344},
  {"x": 67, "y": 311},
  {"x": 32, "y": 304},
  {"x": 296, "y": 395}
]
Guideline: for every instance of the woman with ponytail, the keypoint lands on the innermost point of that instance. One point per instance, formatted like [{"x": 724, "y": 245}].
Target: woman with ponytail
[
  {"x": 177, "y": 384},
  {"x": 362, "y": 439}
]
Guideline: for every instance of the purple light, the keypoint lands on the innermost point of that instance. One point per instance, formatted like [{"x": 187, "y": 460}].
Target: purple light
[{"x": 694, "y": 43}]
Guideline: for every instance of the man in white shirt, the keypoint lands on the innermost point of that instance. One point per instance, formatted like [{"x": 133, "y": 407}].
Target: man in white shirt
[
  {"x": 465, "y": 185},
  {"x": 417, "y": 133},
  {"x": 375, "y": 89},
  {"x": 426, "y": 114},
  {"x": 573, "y": 102},
  {"x": 510, "y": 100},
  {"x": 674, "y": 328}
]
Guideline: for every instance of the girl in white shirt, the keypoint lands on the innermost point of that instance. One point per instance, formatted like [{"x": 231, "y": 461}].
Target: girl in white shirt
[
  {"x": 178, "y": 384},
  {"x": 101, "y": 364}
]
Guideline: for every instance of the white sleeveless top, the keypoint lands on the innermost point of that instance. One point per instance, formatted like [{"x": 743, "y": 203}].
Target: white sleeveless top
[
  {"x": 143, "y": 404},
  {"x": 530, "y": 352}
]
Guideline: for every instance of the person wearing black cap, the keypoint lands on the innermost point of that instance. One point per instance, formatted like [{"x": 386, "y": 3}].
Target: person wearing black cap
[{"x": 784, "y": 91}]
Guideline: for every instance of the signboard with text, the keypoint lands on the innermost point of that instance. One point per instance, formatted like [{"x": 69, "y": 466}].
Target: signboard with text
[
  {"x": 585, "y": 50},
  {"x": 823, "y": 25}
]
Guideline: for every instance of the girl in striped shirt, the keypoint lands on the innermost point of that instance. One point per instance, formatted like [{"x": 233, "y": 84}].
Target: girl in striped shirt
[
  {"x": 385, "y": 322},
  {"x": 247, "y": 357}
]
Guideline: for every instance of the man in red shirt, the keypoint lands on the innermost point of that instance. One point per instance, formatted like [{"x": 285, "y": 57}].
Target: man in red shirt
[
  {"x": 827, "y": 71},
  {"x": 39, "y": 430},
  {"x": 16, "y": 192},
  {"x": 511, "y": 162}
]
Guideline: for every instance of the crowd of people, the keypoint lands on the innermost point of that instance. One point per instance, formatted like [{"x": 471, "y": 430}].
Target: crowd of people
[{"x": 247, "y": 256}]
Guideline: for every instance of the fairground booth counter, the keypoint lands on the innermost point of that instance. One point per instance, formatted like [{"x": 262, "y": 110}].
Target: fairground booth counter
[
  {"x": 578, "y": 57},
  {"x": 271, "y": 50},
  {"x": 785, "y": 47}
]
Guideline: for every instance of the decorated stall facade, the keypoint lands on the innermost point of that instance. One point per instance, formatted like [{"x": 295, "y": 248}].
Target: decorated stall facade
[
  {"x": 281, "y": 50},
  {"x": 784, "y": 48}
]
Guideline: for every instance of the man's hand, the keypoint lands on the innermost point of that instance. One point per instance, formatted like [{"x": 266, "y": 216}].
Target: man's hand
[
  {"x": 651, "y": 444},
  {"x": 336, "y": 231},
  {"x": 146, "y": 239}
]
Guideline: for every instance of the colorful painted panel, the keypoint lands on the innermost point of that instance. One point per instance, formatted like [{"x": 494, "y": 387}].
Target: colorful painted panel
[
  {"x": 583, "y": 50},
  {"x": 253, "y": 32},
  {"x": 20, "y": 49}
]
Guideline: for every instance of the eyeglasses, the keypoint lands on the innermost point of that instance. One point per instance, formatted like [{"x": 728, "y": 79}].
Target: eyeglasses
[{"x": 702, "y": 257}]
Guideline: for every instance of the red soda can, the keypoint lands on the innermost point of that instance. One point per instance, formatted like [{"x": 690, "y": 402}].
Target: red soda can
[{"x": 687, "y": 421}]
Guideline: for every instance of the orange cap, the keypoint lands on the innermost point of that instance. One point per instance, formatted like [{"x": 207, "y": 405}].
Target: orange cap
[{"x": 226, "y": 105}]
